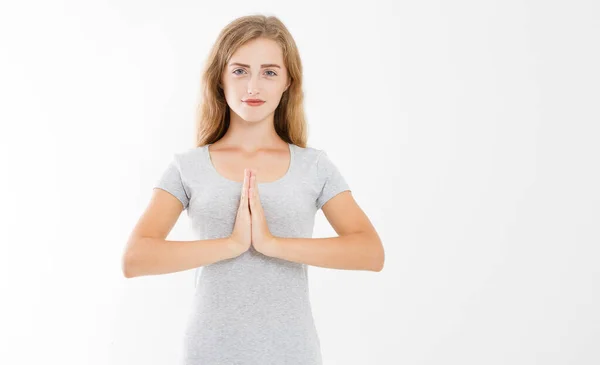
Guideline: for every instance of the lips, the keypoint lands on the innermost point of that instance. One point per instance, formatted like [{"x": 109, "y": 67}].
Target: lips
[{"x": 254, "y": 102}]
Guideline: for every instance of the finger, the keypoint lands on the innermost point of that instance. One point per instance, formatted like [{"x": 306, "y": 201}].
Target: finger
[
  {"x": 247, "y": 189},
  {"x": 244, "y": 193},
  {"x": 252, "y": 190},
  {"x": 255, "y": 190}
]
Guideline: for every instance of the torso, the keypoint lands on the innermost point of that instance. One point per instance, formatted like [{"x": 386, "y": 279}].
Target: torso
[
  {"x": 252, "y": 309},
  {"x": 270, "y": 165}
]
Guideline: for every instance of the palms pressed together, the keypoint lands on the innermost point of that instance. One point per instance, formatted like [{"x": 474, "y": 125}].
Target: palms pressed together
[{"x": 251, "y": 226}]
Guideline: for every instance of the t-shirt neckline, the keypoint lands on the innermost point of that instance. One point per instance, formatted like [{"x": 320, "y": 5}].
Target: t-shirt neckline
[{"x": 221, "y": 177}]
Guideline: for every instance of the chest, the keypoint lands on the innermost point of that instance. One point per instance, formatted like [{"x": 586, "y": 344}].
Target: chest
[
  {"x": 289, "y": 208},
  {"x": 268, "y": 166}
]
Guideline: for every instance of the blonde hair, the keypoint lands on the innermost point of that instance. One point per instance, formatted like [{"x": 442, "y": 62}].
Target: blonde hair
[{"x": 213, "y": 112}]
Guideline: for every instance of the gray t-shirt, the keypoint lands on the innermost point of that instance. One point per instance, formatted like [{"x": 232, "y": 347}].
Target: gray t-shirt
[{"x": 252, "y": 309}]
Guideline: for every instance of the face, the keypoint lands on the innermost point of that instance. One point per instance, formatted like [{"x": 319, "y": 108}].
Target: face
[{"x": 255, "y": 71}]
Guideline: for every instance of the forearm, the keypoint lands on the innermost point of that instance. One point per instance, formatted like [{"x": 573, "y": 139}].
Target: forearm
[
  {"x": 153, "y": 256},
  {"x": 357, "y": 251}
]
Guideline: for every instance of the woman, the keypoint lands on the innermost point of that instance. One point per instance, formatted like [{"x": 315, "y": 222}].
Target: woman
[{"x": 251, "y": 188}]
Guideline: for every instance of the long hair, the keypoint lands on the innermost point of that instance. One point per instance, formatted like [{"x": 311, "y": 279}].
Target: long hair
[{"x": 213, "y": 112}]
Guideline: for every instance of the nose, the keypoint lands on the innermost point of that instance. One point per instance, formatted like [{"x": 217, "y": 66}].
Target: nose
[{"x": 253, "y": 84}]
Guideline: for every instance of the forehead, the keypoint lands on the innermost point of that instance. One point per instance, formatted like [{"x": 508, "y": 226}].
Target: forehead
[{"x": 257, "y": 52}]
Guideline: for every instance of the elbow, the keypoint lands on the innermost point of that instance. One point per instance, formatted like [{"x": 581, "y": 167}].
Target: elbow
[
  {"x": 378, "y": 266},
  {"x": 375, "y": 252},
  {"x": 129, "y": 262},
  {"x": 126, "y": 266},
  {"x": 379, "y": 259}
]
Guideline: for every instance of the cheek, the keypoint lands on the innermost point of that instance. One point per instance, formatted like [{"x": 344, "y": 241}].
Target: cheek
[{"x": 232, "y": 90}]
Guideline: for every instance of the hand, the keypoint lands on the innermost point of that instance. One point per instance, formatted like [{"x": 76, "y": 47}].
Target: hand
[
  {"x": 262, "y": 239},
  {"x": 242, "y": 228}
]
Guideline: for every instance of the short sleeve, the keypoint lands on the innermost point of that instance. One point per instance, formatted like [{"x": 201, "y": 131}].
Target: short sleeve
[
  {"x": 330, "y": 179},
  {"x": 171, "y": 181}
]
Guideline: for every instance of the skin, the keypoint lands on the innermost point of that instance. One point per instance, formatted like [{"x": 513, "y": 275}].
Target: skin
[{"x": 251, "y": 128}]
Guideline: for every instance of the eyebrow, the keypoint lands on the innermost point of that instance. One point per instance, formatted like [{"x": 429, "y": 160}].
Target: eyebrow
[{"x": 248, "y": 66}]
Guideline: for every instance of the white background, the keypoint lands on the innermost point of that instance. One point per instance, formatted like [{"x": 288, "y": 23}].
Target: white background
[{"x": 468, "y": 131}]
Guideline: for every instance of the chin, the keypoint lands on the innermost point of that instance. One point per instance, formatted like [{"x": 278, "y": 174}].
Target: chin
[
  {"x": 253, "y": 117},
  {"x": 255, "y": 120}
]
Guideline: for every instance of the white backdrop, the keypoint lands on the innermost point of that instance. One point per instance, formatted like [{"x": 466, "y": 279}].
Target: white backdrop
[{"x": 468, "y": 131}]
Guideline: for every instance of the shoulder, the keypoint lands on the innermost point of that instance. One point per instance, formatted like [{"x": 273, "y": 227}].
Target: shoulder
[
  {"x": 189, "y": 156},
  {"x": 318, "y": 157},
  {"x": 316, "y": 164},
  {"x": 309, "y": 155}
]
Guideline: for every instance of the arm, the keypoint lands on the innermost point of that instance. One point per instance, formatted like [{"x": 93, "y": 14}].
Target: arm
[
  {"x": 354, "y": 251},
  {"x": 154, "y": 256},
  {"x": 357, "y": 247},
  {"x": 148, "y": 253}
]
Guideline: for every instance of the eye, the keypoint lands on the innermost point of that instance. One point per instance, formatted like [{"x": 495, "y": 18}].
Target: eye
[{"x": 239, "y": 69}]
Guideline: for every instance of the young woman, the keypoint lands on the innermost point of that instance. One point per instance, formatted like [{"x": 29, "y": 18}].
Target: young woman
[{"x": 251, "y": 188}]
